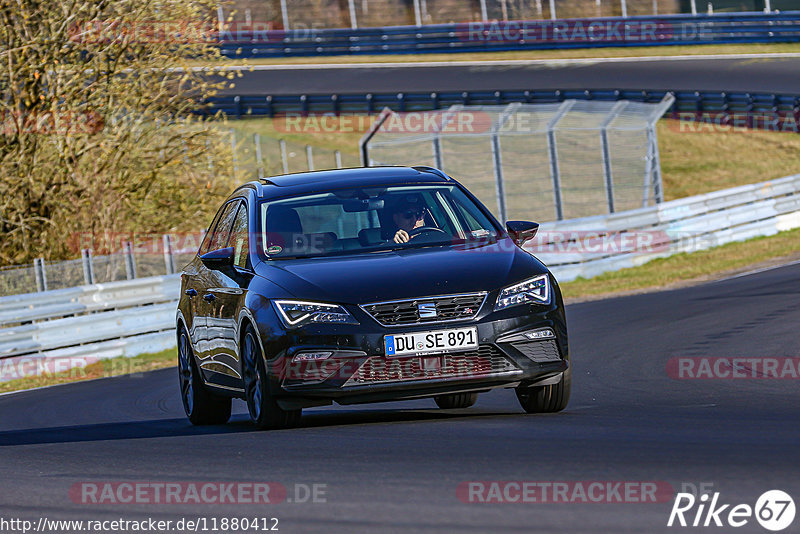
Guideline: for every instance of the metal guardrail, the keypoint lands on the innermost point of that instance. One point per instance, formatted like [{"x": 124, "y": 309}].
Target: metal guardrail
[
  {"x": 67, "y": 328},
  {"x": 517, "y": 35},
  {"x": 752, "y": 110},
  {"x": 590, "y": 246}
]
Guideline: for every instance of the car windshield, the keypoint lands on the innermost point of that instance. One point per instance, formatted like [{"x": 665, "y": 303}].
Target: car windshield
[{"x": 352, "y": 221}]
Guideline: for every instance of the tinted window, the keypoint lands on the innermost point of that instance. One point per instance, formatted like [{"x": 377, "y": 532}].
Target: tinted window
[
  {"x": 223, "y": 228},
  {"x": 239, "y": 239},
  {"x": 354, "y": 220}
]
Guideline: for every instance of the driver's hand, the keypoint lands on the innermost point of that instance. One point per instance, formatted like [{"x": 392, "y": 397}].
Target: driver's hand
[{"x": 401, "y": 237}]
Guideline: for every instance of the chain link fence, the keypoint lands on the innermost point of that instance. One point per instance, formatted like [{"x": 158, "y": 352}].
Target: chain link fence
[
  {"x": 541, "y": 162},
  {"x": 321, "y": 14}
]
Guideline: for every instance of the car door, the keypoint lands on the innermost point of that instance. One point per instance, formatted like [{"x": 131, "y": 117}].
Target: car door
[
  {"x": 208, "y": 279},
  {"x": 196, "y": 310},
  {"x": 229, "y": 295}
]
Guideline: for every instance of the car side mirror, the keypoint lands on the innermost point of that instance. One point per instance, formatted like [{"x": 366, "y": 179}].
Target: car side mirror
[
  {"x": 218, "y": 259},
  {"x": 521, "y": 231}
]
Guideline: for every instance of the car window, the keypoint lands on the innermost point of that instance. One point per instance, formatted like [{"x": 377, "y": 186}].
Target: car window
[
  {"x": 204, "y": 246},
  {"x": 223, "y": 228},
  {"x": 239, "y": 239},
  {"x": 354, "y": 220}
]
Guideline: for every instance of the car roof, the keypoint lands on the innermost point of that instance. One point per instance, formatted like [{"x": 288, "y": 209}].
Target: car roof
[{"x": 313, "y": 181}]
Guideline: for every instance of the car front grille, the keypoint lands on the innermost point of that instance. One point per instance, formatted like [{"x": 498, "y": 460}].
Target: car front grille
[
  {"x": 426, "y": 309},
  {"x": 487, "y": 361},
  {"x": 539, "y": 351}
]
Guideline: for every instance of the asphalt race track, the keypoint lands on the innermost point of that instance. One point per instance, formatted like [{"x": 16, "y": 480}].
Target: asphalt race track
[
  {"x": 762, "y": 75},
  {"x": 395, "y": 467}
]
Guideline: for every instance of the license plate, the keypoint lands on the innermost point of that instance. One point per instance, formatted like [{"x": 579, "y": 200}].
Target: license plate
[{"x": 432, "y": 342}]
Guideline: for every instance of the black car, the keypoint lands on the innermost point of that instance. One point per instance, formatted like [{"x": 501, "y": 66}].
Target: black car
[{"x": 365, "y": 285}]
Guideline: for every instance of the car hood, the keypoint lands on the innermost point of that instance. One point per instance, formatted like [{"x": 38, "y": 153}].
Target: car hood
[{"x": 406, "y": 273}]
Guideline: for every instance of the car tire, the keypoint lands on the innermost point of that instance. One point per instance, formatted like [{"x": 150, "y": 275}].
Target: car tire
[
  {"x": 265, "y": 413},
  {"x": 456, "y": 400},
  {"x": 201, "y": 406},
  {"x": 546, "y": 399}
]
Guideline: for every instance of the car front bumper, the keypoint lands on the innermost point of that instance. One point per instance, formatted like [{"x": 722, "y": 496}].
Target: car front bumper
[{"x": 358, "y": 371}]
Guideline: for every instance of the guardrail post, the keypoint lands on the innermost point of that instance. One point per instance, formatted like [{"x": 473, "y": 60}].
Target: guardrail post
[
  {"x": 337, "y": 156},
  {"x": 270, "y": 110},
  {"x": 88, "y": 268},
  {"x": 309, "y": 158},
  {"x": 284, "y": 156},
  {"x": 259, "y": 160},
  {"x": 130, "y": 261},
  {"x": 41, "y": 274},
  {"x": 169, "y": 258}
]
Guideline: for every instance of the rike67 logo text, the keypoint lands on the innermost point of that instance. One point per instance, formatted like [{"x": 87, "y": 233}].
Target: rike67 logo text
[{"x": 774, "y": 510}]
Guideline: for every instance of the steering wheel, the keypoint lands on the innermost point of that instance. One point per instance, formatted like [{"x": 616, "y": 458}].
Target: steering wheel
[{"x": 425, "y": 229}]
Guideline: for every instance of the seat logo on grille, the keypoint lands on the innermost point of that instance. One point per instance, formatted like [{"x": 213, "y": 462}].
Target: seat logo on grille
[{"x": 427, "y": 310}]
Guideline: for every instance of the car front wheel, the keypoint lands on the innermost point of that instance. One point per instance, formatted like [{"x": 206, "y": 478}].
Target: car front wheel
[
  {"x": 201, "y": 406},
  {"x": 456, "y": 400},
  {"x": 544, "y": 399},
  {"x": 265, "y": 412}
]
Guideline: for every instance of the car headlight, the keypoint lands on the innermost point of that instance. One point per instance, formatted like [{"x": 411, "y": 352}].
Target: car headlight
[
  {"x": 296, "y": 313},
  {"x": 535, "y": 290}
]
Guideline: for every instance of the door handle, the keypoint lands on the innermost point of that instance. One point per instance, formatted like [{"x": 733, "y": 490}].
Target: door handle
[
  {"x": 209, "y": 297},
  {"x": 191, "y": 292}
]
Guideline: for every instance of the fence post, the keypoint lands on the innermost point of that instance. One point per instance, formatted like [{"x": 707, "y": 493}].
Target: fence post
[
  {"x": 259, "y": 161},
  {"x": 285, "y": 15},
  {"x": 41, "y": 275},
  {"x": 338, "y": 158},
  {"x": 497, "y": 160},
  {"x": 233, "y": 154},
  {"x": 169, "y": 258},
  {"x": 130, "y": 261},
  {"x": 553, "y": 9},
  {"x": 418, "y": 13},
  {"x": 624, "y": 6},
  {"x": 553, "y": 151},
  {"x": 353, "y": 21},
  {"x": 88, "y": 268},
  {"x": 363, "y": 143},
  {"x": 284, "y": 156},
  {"x": 607, "y": 174},
  {"x": 309, "y": 158},
  {"x": 484, "y": 12}
]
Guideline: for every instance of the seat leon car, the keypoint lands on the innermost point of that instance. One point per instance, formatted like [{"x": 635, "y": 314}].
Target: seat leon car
[{"x": 365, "y": 285}]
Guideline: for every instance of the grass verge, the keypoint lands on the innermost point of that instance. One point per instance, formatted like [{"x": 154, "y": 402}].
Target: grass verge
[
  {"x": 688, "y": 269},
  {"x": 578, "y": 53},
  {"x": 103, "y": 369}
]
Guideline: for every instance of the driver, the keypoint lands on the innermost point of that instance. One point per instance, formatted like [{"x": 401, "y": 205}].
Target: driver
[{"x": 407, "y": 216}]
